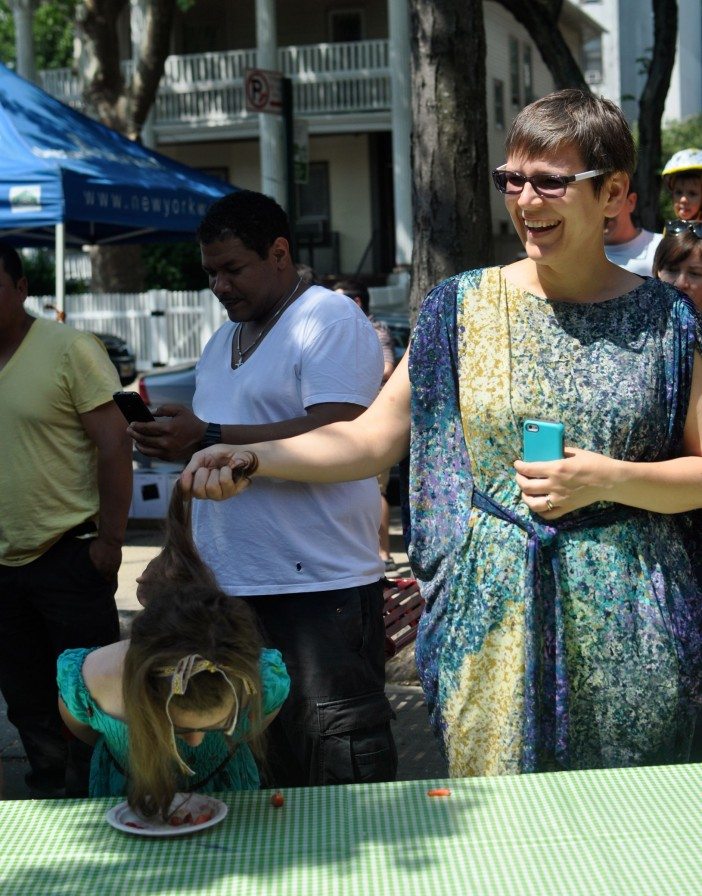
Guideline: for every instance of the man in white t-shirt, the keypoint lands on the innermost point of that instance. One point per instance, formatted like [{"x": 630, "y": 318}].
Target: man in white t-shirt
[
  {"x": 292, "y": 357},
  {"x": 627, "y": 245}
]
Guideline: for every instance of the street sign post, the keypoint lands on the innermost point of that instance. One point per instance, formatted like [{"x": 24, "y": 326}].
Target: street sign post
[
  {"x": 263, "y": 91},
  {"x": 271, "y": 93}
]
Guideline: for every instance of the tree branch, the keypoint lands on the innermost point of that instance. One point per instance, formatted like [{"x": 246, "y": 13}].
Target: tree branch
[
  {"x": 540, "y": 18},
  {"x": 104, "y": 88},
  {"x": 153, "y": 51},
  {"x": 651, "y": 105}
]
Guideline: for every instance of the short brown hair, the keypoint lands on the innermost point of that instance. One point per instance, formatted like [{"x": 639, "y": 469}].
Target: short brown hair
[
  {"x": 594, "y": 126},
  {"x": 673, "y": 249}
]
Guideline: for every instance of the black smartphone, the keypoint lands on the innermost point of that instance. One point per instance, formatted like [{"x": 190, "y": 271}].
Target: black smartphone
[{"x": 132, "y": 406}]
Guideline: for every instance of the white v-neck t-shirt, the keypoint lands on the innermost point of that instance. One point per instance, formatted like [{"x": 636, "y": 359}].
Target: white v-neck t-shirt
[{"x": 280, "y": 537}]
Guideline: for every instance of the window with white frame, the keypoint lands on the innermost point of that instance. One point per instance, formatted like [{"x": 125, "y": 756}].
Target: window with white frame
[
  {"x": 498, "y": 102},
  {"x": 313, "y": 197},
  {"x": 592, "y": 60},
  {"x": 528, "y": 73},
  {"x": 515, "y": 87}
]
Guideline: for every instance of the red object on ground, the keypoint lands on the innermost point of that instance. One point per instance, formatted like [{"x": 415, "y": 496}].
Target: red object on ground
[
  {"x": 439, "y": 791},
  {"x": 277, "y": 800}
]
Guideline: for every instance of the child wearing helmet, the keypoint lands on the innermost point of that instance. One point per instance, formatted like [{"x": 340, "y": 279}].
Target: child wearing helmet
[{"x": 682, "y": 175}]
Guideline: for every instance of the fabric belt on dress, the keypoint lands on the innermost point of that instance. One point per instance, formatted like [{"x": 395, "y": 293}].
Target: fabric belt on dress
[{"x": 545, "y": 728}]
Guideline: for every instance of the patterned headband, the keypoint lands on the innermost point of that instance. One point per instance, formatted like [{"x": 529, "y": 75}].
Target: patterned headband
[{"x": 180, "y": 676}]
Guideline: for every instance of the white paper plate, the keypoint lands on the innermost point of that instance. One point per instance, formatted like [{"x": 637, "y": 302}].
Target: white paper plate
[{"x": 124, "y": 818}]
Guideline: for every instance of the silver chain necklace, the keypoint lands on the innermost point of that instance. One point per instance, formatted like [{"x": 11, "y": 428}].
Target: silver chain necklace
[{"x": 241, "y": 354}]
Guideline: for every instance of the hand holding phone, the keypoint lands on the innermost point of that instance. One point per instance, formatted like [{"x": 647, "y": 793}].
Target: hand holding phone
[
  {"x": 542, "y": 440},
  {"x": 132, "y": 406}
]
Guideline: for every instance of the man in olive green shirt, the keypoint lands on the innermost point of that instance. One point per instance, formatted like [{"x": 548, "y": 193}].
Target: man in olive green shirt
[{"x": 65, "y": 490}]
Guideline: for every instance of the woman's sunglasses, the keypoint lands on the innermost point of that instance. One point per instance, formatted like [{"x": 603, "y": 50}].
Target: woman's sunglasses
[
  {"x": 678, "y": 226},
  {"x": 548, "y": 186}
]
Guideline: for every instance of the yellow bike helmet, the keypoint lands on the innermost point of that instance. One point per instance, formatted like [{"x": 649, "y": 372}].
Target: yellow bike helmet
[{"x": 683, "y": 160}]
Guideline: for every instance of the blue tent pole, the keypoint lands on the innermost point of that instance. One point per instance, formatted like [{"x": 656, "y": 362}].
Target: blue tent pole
[{"x": 60, "y": 256}]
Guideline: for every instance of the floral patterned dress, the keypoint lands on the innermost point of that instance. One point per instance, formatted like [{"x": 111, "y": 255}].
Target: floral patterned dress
[{"x": 574, "y": 644}]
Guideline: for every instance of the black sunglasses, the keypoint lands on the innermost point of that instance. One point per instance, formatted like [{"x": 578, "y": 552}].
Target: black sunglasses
[
  {"x": 548, "y": 186},
  {"x": 678, "y": 226}
]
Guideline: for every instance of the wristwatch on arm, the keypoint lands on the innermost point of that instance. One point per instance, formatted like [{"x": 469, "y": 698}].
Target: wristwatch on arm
[{"x": 213, "y": 435}]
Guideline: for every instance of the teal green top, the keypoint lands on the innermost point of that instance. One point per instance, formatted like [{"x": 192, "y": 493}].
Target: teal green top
[{"x": 107, "y": 779}]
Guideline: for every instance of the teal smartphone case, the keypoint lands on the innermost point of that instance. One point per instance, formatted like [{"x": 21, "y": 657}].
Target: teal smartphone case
[{"x": 542, "y": 440}]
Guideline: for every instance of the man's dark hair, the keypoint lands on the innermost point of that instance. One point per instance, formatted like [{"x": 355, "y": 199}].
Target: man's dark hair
[
  {"x": 11, "y": 262},
  {"x": 355, "y": 289},
  {"x": 255, "y": 219}
]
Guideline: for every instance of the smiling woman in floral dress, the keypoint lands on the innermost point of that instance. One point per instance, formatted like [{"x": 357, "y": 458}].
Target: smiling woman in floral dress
[{"x": 562, "y": 626}]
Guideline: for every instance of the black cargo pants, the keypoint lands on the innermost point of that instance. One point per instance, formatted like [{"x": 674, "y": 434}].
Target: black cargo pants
[
  {"x": 56, "y": 602},
  {"x": 334, "y": 728}
]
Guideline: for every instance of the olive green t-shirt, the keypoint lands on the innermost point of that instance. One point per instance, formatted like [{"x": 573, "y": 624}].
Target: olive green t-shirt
[{"x": 48, "y": 465}]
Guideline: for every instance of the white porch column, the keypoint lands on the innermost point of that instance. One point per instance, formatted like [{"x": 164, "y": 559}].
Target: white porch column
[
  {"x": 271, "y": 142},
  {"x": 401, "y": 117},
  {"x": 23, "y": 13}
]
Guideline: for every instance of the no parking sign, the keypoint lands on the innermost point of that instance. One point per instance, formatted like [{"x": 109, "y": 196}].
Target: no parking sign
[{"x": 263, "y": 90}]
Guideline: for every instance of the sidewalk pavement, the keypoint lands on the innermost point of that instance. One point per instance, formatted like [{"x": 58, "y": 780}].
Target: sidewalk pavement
[{"x": 418, "y": 754}]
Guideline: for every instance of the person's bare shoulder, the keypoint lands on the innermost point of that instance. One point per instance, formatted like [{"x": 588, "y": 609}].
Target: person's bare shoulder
[{"x": 102, "y": 674}]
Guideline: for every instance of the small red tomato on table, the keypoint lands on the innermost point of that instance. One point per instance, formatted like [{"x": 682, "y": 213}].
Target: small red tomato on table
[{"x": 277, "y": 800}]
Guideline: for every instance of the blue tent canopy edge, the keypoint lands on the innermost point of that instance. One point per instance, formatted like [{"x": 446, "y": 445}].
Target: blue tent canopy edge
[{"x": 57, "y": 166}]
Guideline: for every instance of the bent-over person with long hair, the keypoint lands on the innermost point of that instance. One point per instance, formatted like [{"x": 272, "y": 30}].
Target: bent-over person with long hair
[{"x": 179, "y": 706}]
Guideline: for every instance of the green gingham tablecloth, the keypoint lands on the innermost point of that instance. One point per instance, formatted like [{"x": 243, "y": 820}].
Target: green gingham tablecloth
[{"x": 619, "y": 832}]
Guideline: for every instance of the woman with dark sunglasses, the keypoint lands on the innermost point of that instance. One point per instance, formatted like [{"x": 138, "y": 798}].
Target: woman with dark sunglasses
[
  {"x": 678, "y": 259},
  {"x": 562, "y": 623}
]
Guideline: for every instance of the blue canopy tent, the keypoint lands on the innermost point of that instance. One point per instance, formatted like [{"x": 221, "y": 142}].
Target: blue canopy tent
[{"x": 68, "y": 180}]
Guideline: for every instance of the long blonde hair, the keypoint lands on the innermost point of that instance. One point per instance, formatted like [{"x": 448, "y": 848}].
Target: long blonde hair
[
  {"x": 179, "y": 561},
  {"x": 178, "y": 622}
]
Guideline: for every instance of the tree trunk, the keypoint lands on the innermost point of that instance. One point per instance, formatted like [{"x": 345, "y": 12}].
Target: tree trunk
[
  {"x": 451, "y": 204},
  {"x": 104, "y": 89},
  {"x": 151, "y": 58},
  {"x": 116, "y": 269},
  {"x": 121, "y": 106},
  {"x": 540, "y": 18},
  {"x": 651, "y": 105}
]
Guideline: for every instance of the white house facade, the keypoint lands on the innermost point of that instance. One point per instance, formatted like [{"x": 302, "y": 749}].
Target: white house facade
[
  {"x": 627, "y": 40},
  {"x": 348, "y": 61}
]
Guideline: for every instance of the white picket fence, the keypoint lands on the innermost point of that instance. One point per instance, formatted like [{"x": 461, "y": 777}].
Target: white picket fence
[{"x": 163, "y": 327}]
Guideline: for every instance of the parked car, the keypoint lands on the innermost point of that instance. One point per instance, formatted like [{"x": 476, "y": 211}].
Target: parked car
[
  {"x": 168, "y": 385},
  {"x": 121, "y": 356}
]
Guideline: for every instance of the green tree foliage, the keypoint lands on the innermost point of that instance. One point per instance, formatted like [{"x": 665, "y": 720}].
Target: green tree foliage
[
  {"x": 682, "y": 135},
  {"x": 53, "y": 29},
  {"x": 174, "y": 266},
  {"x": 7, "y": 35}
]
